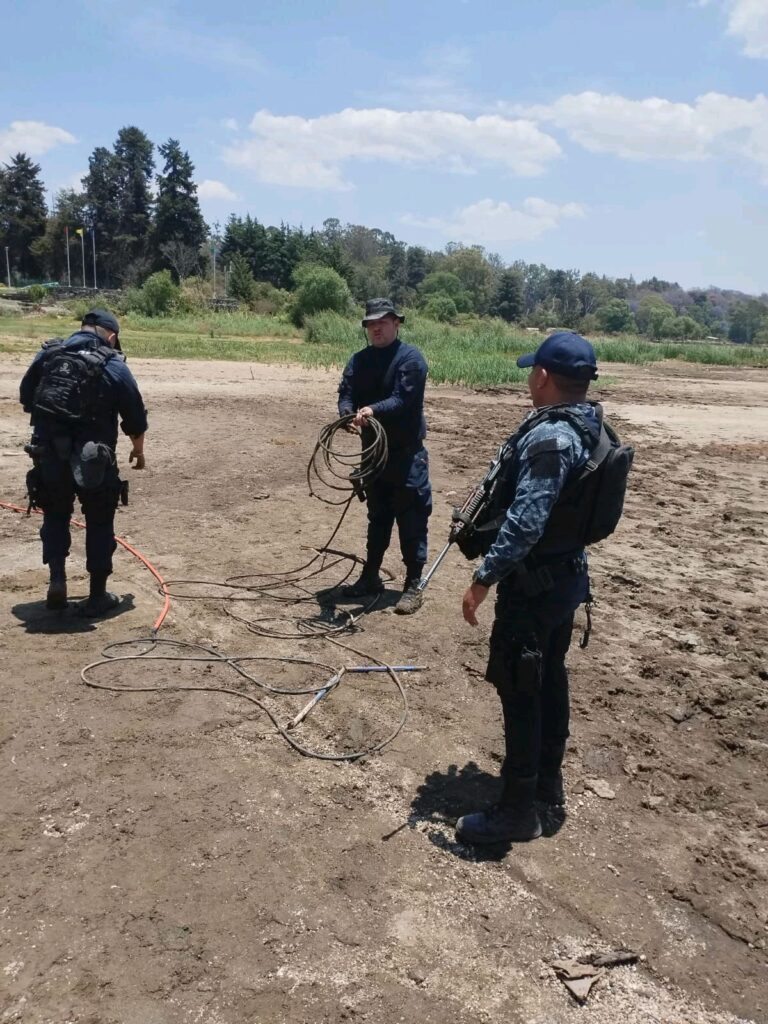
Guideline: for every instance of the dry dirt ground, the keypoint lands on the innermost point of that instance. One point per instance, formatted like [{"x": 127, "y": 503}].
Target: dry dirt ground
[{"x": 168, "y": 858}]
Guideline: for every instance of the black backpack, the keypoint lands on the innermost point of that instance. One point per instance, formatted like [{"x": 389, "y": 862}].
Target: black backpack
[{"x": 70, "y": 388}]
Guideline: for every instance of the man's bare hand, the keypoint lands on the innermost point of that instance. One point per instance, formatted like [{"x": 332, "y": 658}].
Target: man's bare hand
[
  {"x": 139, "y": 457},
  {"x": 362, "y": 416},
  {"x": 473, "y": 598}
]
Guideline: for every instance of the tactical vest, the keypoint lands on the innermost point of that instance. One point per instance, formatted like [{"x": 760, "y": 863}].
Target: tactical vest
[
  {"x": 71, "y": 386},
  {"x": 590, "y": 504}
]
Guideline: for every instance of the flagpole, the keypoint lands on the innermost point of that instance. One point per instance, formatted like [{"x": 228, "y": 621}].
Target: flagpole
[
  {"x": 93, "y": 242},
  {"x": 82, "y": 247},
  {"x": 69, "y": 272}
]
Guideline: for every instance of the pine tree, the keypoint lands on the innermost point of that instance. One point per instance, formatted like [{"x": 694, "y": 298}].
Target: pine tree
[
  {"x": 22, "y": 214},
  {"x": 133, "y": 154},
  {"x": 178, "y": 220},
  {"x": 416, "y": 264},
  {"x": 241, "y": 283},
  {"x": 508, "y": 299},
  {"x": 397, "y": 275},
  {"x": 102, "y": 186}
]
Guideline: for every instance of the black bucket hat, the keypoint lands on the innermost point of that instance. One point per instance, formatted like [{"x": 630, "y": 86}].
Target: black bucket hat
[{"x": 377, "y": 309}]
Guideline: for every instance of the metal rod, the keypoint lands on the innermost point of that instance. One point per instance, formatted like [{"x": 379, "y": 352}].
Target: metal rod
[
  {"x": 386, "y": 668},
  {"x": 422, "y": 584}
]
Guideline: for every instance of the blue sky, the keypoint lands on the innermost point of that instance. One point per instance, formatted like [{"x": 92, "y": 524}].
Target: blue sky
[{"x": 609, "y": 136}]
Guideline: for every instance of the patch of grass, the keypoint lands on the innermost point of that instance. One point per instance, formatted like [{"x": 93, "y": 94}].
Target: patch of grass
[{"x": 479, "y": 353}]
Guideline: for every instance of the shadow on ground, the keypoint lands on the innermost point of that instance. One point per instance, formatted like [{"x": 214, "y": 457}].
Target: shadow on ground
[
  {"x": 36, "y": 618},
  {"x": 444, "y": 797}
]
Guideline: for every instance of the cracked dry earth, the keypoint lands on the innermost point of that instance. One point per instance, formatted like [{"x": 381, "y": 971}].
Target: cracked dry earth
[{"x": 168, "y": 858}]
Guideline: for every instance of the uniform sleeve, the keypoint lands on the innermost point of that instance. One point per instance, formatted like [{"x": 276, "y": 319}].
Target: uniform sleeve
[
  {"x": 408, "y": 387},
  {"x": 130, "y": 405},
  {"x": 546, "y": 459},
  {"x": 29, "y": 383},
  {"x": 346, "y": 403}
]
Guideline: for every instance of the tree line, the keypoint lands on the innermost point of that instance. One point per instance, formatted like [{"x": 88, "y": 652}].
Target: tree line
[{"x": 146, "y": 219}]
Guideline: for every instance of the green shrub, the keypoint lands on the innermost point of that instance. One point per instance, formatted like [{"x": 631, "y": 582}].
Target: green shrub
[
  {"x": 318, "y": 288},
  {"x": 440, "y": 307},
  {"x": 36, "y": 293},
  {"x": 157, "y": 296}
]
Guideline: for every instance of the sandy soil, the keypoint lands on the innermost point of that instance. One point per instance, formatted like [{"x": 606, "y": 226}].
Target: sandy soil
[{"x": 168, "y": 858}]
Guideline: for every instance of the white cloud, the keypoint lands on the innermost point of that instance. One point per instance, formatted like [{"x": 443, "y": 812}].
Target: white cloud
[
  {"x": 492, "y": 223},
  {"x": 210, "y": 189},
  {"x": 658, "y": 129},
  {"x": 748, "y": 19},
  {"x": 230, "y": 123},
  {"x": 311, "y": 152},
  {"x": 31, "y": 137}
]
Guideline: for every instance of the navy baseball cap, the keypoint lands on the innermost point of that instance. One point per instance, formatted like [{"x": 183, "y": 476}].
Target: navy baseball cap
[
  {"x": 565, "y": 353},
  {"x": 377, "y": 309},
  {"x": 103, "y": 318}
]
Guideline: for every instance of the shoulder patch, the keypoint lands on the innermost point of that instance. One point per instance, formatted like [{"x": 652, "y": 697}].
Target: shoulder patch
[{"x": 547, "y": 444}]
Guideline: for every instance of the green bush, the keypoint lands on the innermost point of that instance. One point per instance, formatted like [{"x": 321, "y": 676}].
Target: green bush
[
  {"x": 318, "y": 288},
  {"x": 440, "y": 307},
  {"x": 157, "y": 296},
  {"x": 36, "y": 293}
]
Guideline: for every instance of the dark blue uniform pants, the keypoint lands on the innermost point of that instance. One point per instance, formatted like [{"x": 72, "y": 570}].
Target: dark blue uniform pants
[
  {"x": 409, "y": 505},
  {"x": 56, "y": 490},
  {"x": 529, "y": 641}
]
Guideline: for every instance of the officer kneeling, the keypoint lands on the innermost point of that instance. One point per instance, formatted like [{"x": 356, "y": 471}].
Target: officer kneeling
[
  {"x": 561, "y": 486},
  {"x": 75, "y": 390}
]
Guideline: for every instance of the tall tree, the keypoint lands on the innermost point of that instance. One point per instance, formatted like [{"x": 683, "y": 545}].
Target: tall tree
[
  {"x": 177, "y": 210},
  {"x": 102, "y": 186},
  {"x": 133, "y": 155},
  {"x": 507, "y": 301},
  {"x": 397, "y": 275},
  {"x": 22, "y": 214},
  {"x": 417, "y": 268}
]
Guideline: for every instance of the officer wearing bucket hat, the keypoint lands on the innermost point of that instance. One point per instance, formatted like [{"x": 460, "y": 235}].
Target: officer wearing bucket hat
[
  {"x": 386, "y": 380},
  {"x": 540, "y": 570},
  {"x": 75, "y": 391}
]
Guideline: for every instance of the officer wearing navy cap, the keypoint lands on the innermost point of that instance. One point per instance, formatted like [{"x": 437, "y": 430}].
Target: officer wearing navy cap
[
  {"x": 75, "y": 391},
  {"x": 386, "y": 380},
  {"x": 541, "y": 578}
]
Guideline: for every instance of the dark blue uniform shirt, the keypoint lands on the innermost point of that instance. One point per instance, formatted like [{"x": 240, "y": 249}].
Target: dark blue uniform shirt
[
  {"x": 119, "y": 397},
  {"x": 540, "y": 479},
  {"x": 396, "y": 398}
]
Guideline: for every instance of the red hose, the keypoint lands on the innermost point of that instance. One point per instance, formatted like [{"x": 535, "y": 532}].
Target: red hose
[{"x": 136, "y": 554}]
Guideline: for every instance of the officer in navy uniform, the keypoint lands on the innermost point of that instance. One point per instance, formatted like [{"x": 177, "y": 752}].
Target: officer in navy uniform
[
  {"x": 386, "y": 380},
  {"x": 75, "y": 390},
  {"x": 541, "y": 581}
]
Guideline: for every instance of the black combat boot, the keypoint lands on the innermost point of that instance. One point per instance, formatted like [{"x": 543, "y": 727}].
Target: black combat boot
[
  {"x": 56, "y": 598},
  {"x": 369, "y": 583},
  {"x": 100, "y": 600},
  {"x": 512, "y": 820},
  {"x": 550, "y": 789},
  {"x": 411, "y": 598}
]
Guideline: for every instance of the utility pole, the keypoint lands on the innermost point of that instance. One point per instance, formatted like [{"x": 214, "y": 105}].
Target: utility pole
[
  {"x": 82, "y": 247},
  {"x": 93, "y": 243},
  {"x": 7, "y": 266},
  {"x": 69, "y": 270},
  {"x": 213, "y": 244}
]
